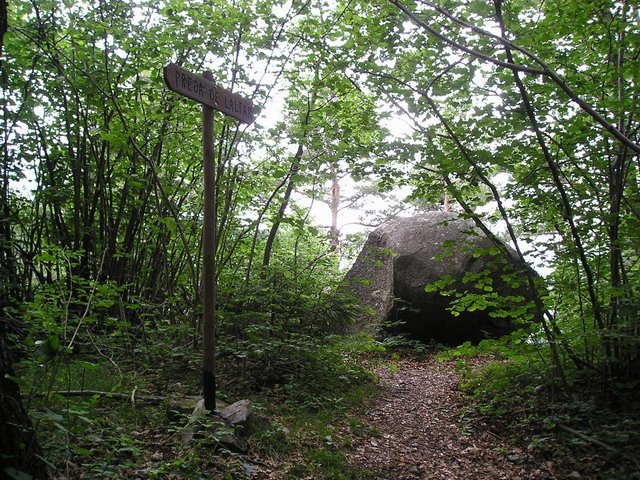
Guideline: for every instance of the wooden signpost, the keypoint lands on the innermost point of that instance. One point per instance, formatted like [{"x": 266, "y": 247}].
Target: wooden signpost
[{"x": 202, "y": 89}]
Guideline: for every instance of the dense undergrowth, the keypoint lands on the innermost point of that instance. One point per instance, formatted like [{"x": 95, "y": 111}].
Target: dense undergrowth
[
  {"x": 309, "y": 389},
  {"x": 100, "y": 386},
  {"x": 585, "y": 429},
  {"x": 133, "y": 434},
  {"x": 100, "y": 374}
]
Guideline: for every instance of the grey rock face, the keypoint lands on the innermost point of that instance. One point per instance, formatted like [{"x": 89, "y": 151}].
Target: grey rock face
[
  {"x": 404, "y": 255},
  {"x": 229, "y": 427},
  {"x": 237, "y": 414}
]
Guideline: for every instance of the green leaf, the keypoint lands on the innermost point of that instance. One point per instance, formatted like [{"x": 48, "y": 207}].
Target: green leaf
[
  {"x": 24, "y": 386},
  {"x": 16, "y": 474},
  {"x": 79, "y": 450},
  {"x": 86, "y": 365}
]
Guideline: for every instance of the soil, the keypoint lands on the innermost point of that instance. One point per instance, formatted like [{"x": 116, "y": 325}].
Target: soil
[{"x": 417, "y": 433}]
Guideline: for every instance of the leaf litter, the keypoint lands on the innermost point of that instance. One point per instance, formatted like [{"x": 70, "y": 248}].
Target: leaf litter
[{"x": 417, "y": 432}]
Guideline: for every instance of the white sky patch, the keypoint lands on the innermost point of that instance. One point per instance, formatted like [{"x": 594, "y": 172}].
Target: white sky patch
[
  {"x": 538, "y": 258},
  {"x": 399, "y": 125},
  {"x": 351, "y": 219}
]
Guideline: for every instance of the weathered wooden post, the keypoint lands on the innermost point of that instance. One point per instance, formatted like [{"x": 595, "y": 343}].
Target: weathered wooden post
[
  {"x": 205, "y": 91},
  {"x": 209, "y": 259}
]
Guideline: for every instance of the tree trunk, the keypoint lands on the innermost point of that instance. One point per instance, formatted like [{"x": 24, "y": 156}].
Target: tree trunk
[
  {"x": 19, "y": 447},
  {"x": 295, "y": 166},
  {"x": 334, "y": 233},
  {"x": 18, "y": 443}
]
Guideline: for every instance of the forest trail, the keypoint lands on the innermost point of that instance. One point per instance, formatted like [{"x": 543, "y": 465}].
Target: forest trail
[{"x": 416, "y": 431}]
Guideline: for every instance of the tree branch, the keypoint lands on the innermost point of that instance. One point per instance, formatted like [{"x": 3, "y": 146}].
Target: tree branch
[
  {"x": 544, "y": 71},
  {"x": 131, "y": 397}
]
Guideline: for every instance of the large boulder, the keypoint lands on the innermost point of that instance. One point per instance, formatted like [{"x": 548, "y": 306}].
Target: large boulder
[{"x": 403, "y": 256}]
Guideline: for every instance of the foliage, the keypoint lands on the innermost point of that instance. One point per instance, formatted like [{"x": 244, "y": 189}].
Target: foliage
[
  {"x": 314, "y": 407},
  {"x": 114, "y": 438},
  {"x": 277, "y": 324},
  {"x": 519, "y": 115},
  {"x": 507, "y": 380},
  {"x": 532, "y": 132}
]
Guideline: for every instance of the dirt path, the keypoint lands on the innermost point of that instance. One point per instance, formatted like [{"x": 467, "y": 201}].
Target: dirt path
[{"x": 416, "y": 433}]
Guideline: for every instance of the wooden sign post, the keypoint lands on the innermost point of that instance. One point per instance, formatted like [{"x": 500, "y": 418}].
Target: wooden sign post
[{"x": 203, "y": 90}]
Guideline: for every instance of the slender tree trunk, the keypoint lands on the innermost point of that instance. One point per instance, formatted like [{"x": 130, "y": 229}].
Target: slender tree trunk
[
  {"x": 4, "y": 24},
  {"x": 18, "y": 443},
  {"x": 617, "y": 172},
  {"x": 295, "y": 166},
  {"x": 334, "y": 233},
  {"x": 8, "y": 270}
]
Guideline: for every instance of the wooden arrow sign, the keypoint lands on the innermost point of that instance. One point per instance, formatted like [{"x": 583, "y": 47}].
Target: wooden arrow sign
[{"x": 208, "y": 93}]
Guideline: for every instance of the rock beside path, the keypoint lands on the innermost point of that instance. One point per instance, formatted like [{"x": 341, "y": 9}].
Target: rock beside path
[
  {"x": 404, "y": 255},
  {"x": 238, "y": 414},
  {"x": 230, "y": 426}
]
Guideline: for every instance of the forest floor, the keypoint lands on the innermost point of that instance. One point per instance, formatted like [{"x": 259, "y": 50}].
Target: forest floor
[
  {"x": 412, "y": 430},
  {"x": 402, "y": 415},
  {"x": 415, "y": 428},
  {"x": 420, "y": 436}
]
